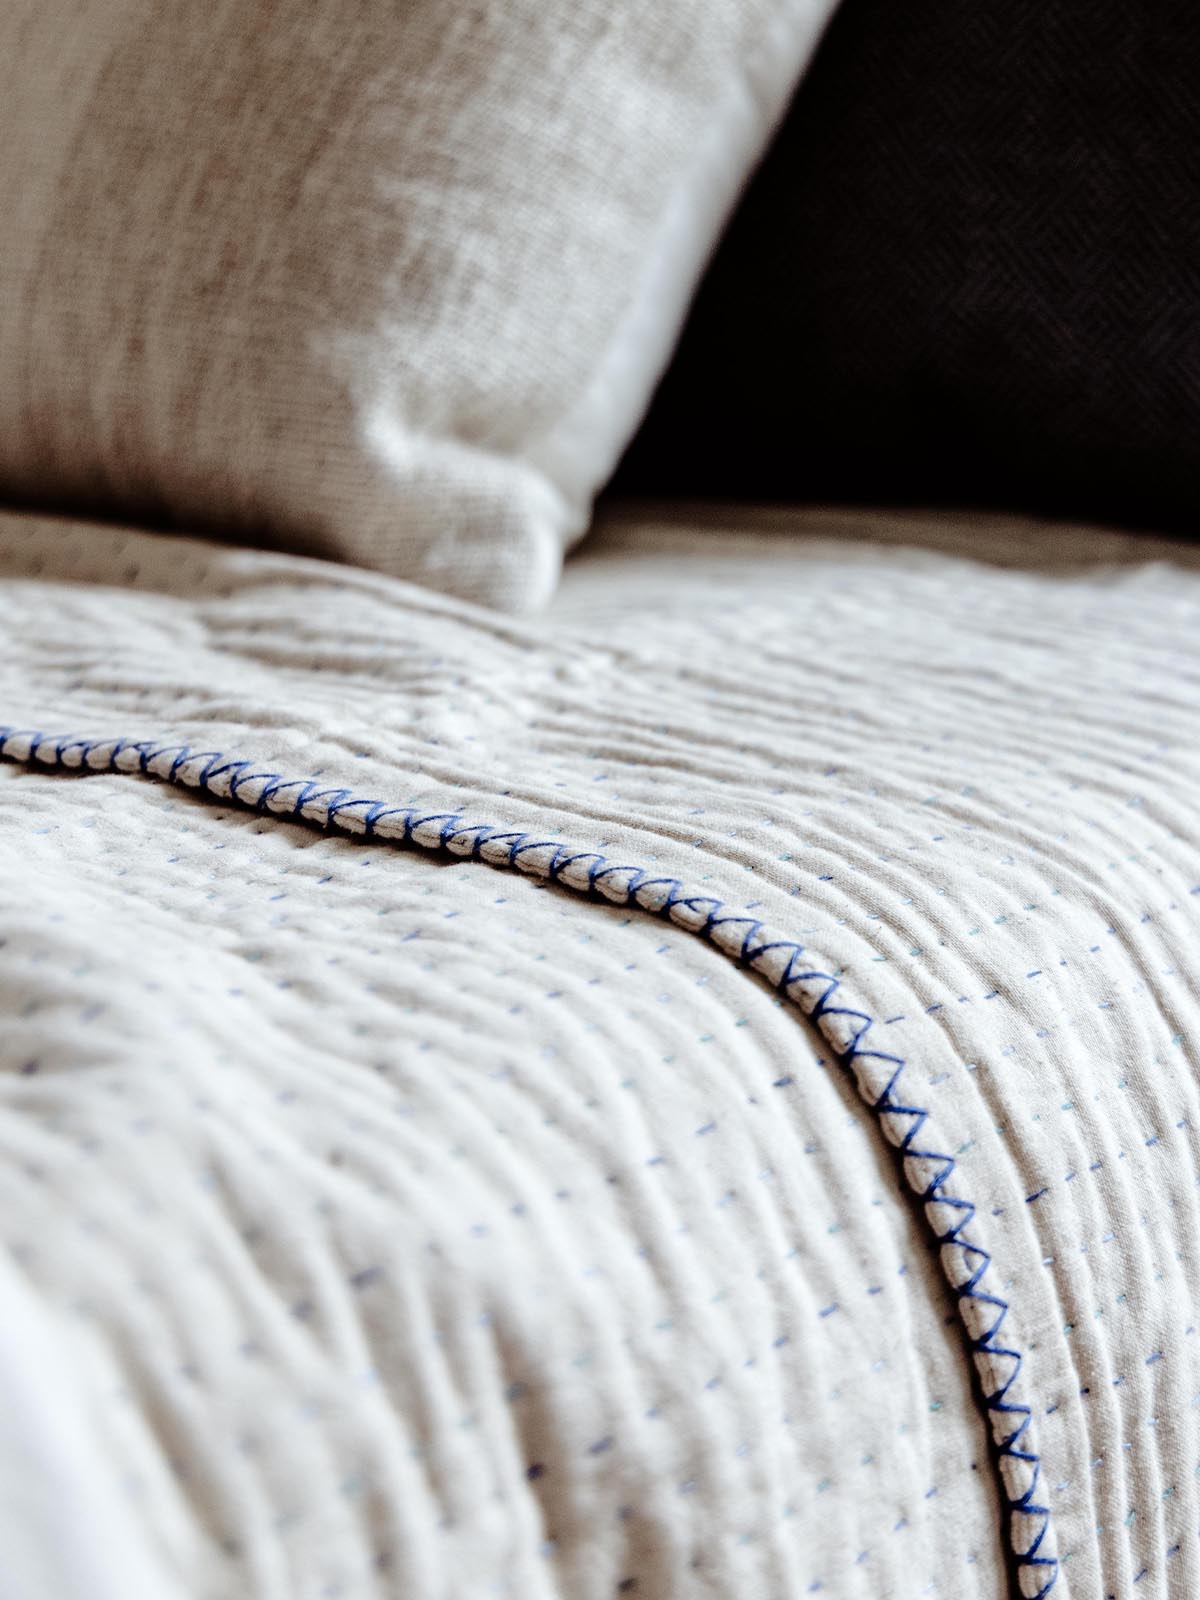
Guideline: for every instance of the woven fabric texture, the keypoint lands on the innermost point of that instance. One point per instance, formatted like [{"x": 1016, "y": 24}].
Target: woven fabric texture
[
  {"x": 384, "y": 283},
  {"x": 969, "y": 271},
  {"x": 499, "y": 1131}
]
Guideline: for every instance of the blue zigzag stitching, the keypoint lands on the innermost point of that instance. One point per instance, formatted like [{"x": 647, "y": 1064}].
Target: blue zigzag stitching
[{"x": 746, "y": 941}]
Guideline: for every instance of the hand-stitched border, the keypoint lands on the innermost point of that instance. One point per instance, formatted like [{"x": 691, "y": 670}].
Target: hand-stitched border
[{"x": 747, "y": 941}]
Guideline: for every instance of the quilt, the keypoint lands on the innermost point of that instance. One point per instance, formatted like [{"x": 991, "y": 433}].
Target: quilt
[{"x": 691, "y": 1095}]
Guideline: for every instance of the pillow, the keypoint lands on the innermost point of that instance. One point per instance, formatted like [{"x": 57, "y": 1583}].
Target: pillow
[
  {"x": 968, "y": 271},
  {"x": 389, "y": 283}
]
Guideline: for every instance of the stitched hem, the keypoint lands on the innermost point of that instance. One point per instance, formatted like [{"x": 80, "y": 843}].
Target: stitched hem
[{"x": 746, "y": 940}]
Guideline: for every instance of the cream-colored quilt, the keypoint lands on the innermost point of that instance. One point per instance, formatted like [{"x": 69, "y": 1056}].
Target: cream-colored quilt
[{"x": 690, "y": 1096}]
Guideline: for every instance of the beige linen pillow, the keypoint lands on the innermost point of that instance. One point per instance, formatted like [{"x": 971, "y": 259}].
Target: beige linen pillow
[{"x": 386, "y": 282}]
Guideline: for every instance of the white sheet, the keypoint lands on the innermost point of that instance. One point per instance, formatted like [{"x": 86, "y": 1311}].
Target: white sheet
[{"x": 415, "y": 1227}]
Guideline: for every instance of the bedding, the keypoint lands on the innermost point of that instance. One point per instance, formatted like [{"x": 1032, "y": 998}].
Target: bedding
[
  {"x": 690, "y": 1095},
  {"x": 387, "y": 284},
  {"x": 966, "y": 273}
]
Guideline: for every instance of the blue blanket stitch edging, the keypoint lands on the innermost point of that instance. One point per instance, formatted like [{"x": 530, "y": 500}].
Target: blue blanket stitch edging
[{"x": 742, "y": 937}]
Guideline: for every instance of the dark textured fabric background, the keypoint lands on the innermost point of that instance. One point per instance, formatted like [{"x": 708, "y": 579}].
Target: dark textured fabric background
[{"x": 968, "y": 271}]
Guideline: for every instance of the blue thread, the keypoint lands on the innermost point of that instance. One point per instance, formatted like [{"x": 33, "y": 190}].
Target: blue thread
[{"x": 707, "y": 917}]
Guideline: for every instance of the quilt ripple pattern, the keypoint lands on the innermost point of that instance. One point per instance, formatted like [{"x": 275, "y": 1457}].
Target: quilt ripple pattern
[{"x": 928, "y": 1171}]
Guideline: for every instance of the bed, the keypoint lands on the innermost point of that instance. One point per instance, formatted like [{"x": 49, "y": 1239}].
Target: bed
[
  {"x": 678, "y": 1083},
  {"x": 690, "y": 1094}
]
